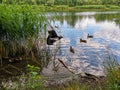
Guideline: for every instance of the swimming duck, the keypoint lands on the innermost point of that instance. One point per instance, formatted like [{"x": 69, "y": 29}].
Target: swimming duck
[
  {"x": 89, "y": 36},
  {"x": 72, "y": 49},
  {"x": 81, "y": 40},
  {"x": 56, "y": 26}
]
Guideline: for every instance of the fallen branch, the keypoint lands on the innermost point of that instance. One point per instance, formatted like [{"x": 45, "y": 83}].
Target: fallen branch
[{"x": 64, "y": 65}]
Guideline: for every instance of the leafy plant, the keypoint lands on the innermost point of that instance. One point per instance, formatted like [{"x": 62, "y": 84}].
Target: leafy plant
[{"x": 34, "y": 79}]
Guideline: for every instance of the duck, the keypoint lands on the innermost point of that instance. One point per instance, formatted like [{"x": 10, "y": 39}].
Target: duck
[
  {"x": 72, "y": 50},
  {"x": 81, "y": 40},
  {"x": 89, "y": 36},
  {"x": 56, "y": 26}
]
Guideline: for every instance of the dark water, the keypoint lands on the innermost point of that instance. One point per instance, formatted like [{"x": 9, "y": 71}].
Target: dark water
[{"x": 105, "y": 28}]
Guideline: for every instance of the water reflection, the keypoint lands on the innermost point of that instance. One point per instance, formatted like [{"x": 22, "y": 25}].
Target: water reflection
[{"x": 88, "y": 56}]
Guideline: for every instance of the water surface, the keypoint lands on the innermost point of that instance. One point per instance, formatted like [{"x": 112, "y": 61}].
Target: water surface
[{"x": 88, "y": 57}]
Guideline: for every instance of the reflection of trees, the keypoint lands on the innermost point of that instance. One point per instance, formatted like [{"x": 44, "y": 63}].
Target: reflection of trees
[
  {"x": 118, "y": 22},
  {"x": 108, "y": 17},
  {"x": 117, "y": 19},
  {"x": 103, "y": 17},
  {"x": 71, "y": 18}
]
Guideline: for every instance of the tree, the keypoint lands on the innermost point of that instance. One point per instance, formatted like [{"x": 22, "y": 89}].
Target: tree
[
  {"x": 0, "y": 1},
  {"x": 50, "y": 2},
  {"x": 74, "y": 2}
]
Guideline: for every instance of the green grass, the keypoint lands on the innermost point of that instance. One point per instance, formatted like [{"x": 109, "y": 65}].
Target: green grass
[
  {"x": 19, "y": 38},
  {"x": 20, "y": 21},
  {"x": 79, "y": 8},
  {"x": 97, "y": 7},
  {"x": 113, "y": 74},
  {"x": 43, "y": 8}
]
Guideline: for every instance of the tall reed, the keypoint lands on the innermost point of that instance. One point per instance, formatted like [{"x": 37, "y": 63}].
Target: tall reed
[
  {"x": 22, "y": 34},
  {"x": 113, "y": 73}
]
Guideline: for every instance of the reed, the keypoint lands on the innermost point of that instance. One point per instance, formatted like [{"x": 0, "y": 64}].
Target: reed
[
  {"x": 22, "y": 35},
  {"x": 113, "y": 74}
]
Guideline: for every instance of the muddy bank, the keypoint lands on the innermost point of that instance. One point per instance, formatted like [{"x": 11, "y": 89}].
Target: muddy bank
[
  {"x": 56, "y": 75},
  {"x": 59, "y": 75}
]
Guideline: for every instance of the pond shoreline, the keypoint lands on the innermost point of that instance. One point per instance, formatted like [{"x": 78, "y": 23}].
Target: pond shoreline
[
  {"x": 66, "y": 8},
  {"x": 61, "y": 79}
]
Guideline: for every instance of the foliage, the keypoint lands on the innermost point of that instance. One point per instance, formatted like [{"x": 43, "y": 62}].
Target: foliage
[
  {"x": 19, "y": 21},
  {"x": 33, "y": 78},
  {"x": 63, "y": 2},
  {"x": 91, "y": 7},
  {"x": 22, "y": 34},
  {"x": 19, "y": 24},
  {"x": 33, "y": 70},
  {"x": 113, "y": 74},
  {"x": 30, "y": 81}
]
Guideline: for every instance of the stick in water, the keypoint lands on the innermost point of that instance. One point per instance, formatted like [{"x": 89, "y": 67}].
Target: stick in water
[{"x": 64, "y": 65}]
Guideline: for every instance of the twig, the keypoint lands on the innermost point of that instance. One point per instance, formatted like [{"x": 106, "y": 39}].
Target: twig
[{"x": 64, "y": 65}]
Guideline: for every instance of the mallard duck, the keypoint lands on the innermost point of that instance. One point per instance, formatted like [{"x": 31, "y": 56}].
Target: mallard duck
[
  {"x": 89, "y": 36},
  {"x": 72, "y": 49},
  {"x": 56, "y": 26},
  {"x": 81, "y": 40}
]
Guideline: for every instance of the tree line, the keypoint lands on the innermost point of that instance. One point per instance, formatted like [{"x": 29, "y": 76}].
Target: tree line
[{"x": 62, "y": 2}]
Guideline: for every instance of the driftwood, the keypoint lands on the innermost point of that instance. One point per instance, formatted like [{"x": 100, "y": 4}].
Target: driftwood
[
  {"x": 65, "y": 65},
  {"x": 83, "y": 75},
  {"x": 89, "y": 76}
]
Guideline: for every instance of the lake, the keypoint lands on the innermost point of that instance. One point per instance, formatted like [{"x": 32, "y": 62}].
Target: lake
[{"x": 104, "y": 26}]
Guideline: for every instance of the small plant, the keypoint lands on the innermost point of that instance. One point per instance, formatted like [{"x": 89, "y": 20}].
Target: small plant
[
  {"x": 33, "y": 70},
  {"x": 33, "y": 78},
  {"x": 30, "y": 81}
]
